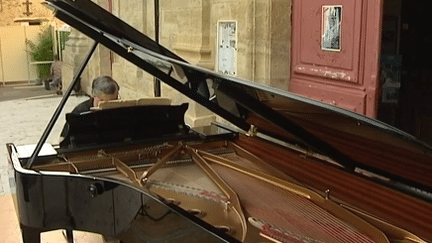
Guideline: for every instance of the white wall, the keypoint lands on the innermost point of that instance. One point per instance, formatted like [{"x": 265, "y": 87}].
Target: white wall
[{"x": 14, "y": 58}]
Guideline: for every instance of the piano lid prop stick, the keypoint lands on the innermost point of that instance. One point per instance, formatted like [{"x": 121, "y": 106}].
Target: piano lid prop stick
[
  {"x": 157, "y": 82},
  {"x": 60, "y": 108}
]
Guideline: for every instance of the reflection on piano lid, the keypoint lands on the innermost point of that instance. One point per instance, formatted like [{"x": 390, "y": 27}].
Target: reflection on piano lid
[{"x": 298, "y": 170}]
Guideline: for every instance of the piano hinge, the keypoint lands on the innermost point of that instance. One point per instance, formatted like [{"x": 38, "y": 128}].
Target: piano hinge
[
  {"x": 327, "y": 194},
  {"x": 252, "y": 131},
  {"x": 307, "y": 153}
]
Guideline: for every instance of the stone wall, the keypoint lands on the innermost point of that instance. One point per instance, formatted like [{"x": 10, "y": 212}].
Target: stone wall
[
  {"x": 280, "y": 44},
  {"x": 15, "y": 9}
]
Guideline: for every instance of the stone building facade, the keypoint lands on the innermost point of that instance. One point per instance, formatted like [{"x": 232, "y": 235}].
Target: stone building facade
[
  {"x": 190, "y": 29},
  {"x": 11, "y": 9}
]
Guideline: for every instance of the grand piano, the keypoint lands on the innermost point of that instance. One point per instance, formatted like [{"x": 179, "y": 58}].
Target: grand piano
[{"x": 279, "y": 168}]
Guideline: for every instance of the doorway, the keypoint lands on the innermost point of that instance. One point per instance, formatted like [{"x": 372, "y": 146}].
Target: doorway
[{"x": 406, "y": 76}]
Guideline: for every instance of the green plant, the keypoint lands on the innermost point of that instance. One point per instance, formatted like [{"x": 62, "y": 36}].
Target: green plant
[{"x": 43, "y": 51}]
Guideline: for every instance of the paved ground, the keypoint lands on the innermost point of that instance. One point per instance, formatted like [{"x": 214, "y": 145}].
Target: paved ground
[
  {"x": 22, "y": 121},
  {"x": 22, "y": 90}
]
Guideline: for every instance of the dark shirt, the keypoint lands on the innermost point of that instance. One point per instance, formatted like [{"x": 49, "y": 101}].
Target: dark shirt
[{"x": 81, "y": 107}]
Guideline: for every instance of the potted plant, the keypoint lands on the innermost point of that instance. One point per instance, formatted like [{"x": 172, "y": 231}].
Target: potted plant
[{"x": 42, "y": 51}]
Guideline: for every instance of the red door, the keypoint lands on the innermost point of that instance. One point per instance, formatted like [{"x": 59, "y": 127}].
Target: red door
[{"x": 336, "y": 47}]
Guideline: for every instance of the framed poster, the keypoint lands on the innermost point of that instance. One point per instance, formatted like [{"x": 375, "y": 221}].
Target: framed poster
[{"x": 331, "y": 28}]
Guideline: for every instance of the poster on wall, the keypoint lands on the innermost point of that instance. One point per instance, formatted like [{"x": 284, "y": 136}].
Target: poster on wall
[
  {"x": 227, "y": 47},
  {"x": 331, "y": 28}
]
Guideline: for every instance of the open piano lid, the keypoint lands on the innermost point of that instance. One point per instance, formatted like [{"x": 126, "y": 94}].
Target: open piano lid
[{"x": 357, "y": 143}]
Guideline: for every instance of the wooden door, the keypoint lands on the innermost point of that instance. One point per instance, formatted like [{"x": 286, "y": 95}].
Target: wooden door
[{"x": 336, "y": 45}]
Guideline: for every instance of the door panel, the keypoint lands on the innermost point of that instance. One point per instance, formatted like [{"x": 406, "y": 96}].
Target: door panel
[
  {"x": 311, "y": 53},
  {"x": 332, "y": 42}
]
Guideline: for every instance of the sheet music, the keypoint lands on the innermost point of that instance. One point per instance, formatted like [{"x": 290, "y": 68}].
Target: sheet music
[{"x": 126, "y": 103}]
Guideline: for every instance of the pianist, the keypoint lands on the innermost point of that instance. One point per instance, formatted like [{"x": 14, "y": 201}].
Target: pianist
[{"x": 104, "y": 88}]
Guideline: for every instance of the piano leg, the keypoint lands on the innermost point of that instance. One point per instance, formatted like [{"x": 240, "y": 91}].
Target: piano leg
[
  {"x": 68, "y": 236},
  {"x": 30, "y": 234}
]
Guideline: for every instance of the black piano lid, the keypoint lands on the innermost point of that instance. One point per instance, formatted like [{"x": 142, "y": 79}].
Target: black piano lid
[{"x": 359, "y": 143}]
